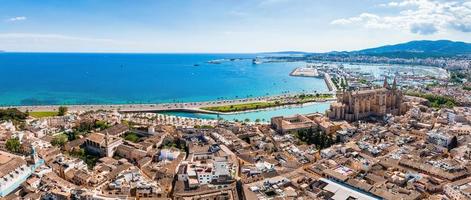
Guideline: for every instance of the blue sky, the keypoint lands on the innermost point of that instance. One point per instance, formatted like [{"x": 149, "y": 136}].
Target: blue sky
[{"x": 226, "y": 25}]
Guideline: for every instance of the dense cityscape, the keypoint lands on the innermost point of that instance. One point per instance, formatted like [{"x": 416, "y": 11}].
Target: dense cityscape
[
  {"x": 235, "y": 100},
  {"x": 376, "y": 141}
]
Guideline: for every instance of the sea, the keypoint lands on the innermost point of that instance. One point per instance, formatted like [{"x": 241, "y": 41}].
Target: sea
[
  {"x": 124, "y": 78},
  {"x": 102, "y": 78}
]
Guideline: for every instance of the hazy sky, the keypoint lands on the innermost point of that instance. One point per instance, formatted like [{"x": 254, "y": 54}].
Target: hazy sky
[{"x": 226, "y": 25}]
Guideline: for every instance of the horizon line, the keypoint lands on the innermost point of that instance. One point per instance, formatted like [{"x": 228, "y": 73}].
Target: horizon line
[
  {"x": 254, "y": 52},
  {"x": 137, "y": 52}
]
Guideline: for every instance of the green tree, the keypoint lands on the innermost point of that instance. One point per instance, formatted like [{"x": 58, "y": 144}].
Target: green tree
[
  {"x": 131, "y": 137},
  {"x": 13, "y": 145},
  {"x": 101, "y": 125},
  {"x": 449, "y": 104},
  {"x": 12, "y": 114},
  {"x": 60, "y": 140},
  {"x": 73, "y": 135},
  {"x": 315, "y": 136},
  {"x": 62, "y": 111},
  {"x": 85, "y": 126},
  {"x": 342, "y": 83}
]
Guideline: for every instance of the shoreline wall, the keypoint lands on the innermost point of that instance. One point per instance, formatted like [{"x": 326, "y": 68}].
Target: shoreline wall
[{"x": 329, "y": 83}]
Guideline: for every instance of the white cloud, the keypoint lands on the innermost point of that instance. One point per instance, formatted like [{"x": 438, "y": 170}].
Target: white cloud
[
  {"x": 404, "y": 3},
  {"x": 370, "y": 20},
  {"x": 423, "y": 28},
  {"x": 418, "y": 16},
  {"x": 19, "y": 18}
]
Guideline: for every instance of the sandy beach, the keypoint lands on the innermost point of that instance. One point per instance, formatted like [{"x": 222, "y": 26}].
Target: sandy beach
[{"x": 187, "y": 107}]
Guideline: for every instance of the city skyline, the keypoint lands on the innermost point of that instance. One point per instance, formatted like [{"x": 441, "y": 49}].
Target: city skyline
[{"x": 230, "y": 26}]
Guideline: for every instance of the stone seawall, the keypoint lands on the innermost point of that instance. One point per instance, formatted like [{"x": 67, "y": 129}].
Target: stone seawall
[{"x": 329, "y": 83}]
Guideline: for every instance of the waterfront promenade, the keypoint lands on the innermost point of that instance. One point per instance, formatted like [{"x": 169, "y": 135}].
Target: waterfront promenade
[
  {"x": 186, "y": 107},
  {"x": 329, "y": 83}
]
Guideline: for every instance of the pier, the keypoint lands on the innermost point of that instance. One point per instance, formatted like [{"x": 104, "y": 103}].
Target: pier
[{"x": 305, "y": 72}]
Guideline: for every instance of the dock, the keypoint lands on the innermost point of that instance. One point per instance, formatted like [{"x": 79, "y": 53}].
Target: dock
[{"x": 305, "y": 72}]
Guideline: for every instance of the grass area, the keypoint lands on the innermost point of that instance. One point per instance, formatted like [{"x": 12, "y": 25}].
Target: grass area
[
  {"x": 305, "y": 98},
  {"x": 133, "y": 137},
  {"x": 299, "y": 99},
  {"x": 43, "y": 114},
  {"x": 242, "y": 107}
]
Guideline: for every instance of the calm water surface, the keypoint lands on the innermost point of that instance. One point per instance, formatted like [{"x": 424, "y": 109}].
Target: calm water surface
[
  {"x": 86, "y": 78},
  {"x": 264, "y": 115}
]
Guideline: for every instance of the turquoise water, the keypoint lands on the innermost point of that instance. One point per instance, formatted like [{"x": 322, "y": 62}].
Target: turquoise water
[
  {"x": 87, "y": 78},
  {"x": 263, "y": 115}
]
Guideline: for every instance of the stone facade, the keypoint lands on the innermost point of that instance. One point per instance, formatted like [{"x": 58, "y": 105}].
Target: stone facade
[
  {"x": 103, "y": 145},
  {"x": 356, "y": 105}
]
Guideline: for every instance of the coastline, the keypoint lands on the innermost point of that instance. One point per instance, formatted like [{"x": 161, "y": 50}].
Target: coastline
[{"x": 194, "y": 107}]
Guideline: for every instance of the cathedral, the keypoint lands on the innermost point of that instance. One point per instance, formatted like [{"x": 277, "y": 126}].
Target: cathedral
[{"x": 356, "y": 105}]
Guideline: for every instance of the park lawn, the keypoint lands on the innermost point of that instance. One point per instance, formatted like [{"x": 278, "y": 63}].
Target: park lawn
[
  {"x": 314, "y": 96},
  {"x": 41, "y": 114},
  {"x": 242, "y": 107},
  {"x": 261, "y": 105},
  {"x": 133, "y": 137},
  {"x": 311, "y": 98}
]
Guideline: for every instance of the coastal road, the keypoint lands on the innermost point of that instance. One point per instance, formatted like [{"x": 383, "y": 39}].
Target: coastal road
[{"x": 188, "y": 107}]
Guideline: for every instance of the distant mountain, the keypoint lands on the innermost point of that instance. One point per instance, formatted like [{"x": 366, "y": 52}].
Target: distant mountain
[
  {"x": 412, "y": 49},
  {"x": 286, "y": 52},
  {"x": 420, "y": 47}
]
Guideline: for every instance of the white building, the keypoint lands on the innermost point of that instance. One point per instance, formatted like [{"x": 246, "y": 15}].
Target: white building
[
  {"x": 13, "y": 172},
  {"x": 439, "y": 138}
]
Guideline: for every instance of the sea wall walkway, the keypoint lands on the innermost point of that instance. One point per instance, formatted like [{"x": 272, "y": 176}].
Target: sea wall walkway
[
  {"x": 329, "y": 83},
  {"x": 187, "y": 107}
]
